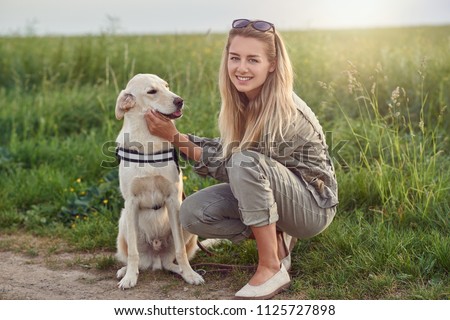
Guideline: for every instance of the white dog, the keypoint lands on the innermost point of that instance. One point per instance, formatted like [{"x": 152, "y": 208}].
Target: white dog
[{"x": 150, "y": 233}]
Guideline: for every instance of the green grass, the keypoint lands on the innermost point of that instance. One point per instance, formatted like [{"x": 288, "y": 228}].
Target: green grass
[{"x": 381, "y": 95}]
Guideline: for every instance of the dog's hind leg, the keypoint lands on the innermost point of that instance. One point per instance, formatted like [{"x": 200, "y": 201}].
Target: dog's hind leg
[
  {"x": 167, "y": 264},
  {"x": 131, "y": 220},
  {"x": 194, "y": 245}
]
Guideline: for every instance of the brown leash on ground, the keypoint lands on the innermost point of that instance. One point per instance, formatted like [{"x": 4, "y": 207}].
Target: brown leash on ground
[
  {"x": 204, "y": 249},
  {"x": 203, "y": 268},
  {"x": 218, "y": 267}
]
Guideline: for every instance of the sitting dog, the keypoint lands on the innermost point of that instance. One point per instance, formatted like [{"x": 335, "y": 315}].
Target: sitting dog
[{"x": 150, "y": 233}]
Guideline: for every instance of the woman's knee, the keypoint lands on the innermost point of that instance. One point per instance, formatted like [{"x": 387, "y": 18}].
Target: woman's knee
[{"x": 205, "y": 211}]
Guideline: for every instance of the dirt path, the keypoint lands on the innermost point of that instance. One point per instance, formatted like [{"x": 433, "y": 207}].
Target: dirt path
[
  {"x": 58, "y": 278},
  {"x": 35, "y": 268},
  {"x": 41, "y": 269}
]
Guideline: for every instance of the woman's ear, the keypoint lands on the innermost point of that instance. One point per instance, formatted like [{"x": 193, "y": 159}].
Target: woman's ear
[{"x": 273, "y": 66}]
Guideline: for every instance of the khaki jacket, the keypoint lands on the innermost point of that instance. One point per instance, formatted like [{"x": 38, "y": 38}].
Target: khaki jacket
[{"x": 305, "y": 154}]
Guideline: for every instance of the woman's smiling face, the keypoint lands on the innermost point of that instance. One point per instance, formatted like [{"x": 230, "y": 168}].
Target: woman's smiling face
[{"x": 248, "y": 65}]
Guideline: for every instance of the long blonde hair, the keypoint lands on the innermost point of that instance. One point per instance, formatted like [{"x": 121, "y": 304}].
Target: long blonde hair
[{"x": 265, "y": 120}]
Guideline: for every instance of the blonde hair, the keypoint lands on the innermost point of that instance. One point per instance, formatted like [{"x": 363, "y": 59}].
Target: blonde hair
[{"x": 244, "y": 124}]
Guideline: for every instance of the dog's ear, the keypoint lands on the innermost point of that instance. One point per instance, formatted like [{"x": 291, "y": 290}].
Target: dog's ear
[{"x": 125, "y": 101}]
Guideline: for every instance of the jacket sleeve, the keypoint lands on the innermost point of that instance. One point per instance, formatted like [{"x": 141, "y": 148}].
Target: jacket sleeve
[{"x": 212, "y": 163}]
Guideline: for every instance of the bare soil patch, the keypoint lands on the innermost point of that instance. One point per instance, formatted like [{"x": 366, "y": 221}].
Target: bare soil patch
[{"x": 47, "y": 269}]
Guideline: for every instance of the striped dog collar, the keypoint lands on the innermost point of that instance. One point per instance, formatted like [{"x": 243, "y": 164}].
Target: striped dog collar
[{"x": 137, "y": 157}]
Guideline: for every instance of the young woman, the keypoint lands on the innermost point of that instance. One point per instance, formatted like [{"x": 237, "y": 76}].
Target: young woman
[{"x": 278, "y": 179}]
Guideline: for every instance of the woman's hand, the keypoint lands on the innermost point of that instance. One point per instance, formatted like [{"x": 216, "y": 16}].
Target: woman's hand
[
  {"x": 164, "y": 128},
  {"x": 160, "y": 126}
]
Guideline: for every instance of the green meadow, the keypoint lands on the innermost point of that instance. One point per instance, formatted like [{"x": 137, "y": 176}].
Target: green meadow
[{"x": 381, "y": 95}]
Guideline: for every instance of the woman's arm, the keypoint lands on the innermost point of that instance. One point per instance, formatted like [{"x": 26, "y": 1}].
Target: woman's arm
[
  {"x": 163, "y": 127},
  {"x": 190, "y": 149}
]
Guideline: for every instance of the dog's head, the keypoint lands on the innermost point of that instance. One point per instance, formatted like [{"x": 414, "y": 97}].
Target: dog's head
[{"x": 148, "y": 91}]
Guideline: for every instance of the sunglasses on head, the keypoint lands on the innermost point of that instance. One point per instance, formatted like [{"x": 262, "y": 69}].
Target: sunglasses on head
[{"x": 259, "y": 25}]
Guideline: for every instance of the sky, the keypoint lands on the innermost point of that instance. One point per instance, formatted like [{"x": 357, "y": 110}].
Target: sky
[{"x": 80, "y": 17}]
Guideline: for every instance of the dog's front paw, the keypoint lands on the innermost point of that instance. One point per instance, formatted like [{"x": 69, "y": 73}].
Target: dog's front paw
[
  {"x": 193, "y": 277},
  {"x": 128, "y": 281}
]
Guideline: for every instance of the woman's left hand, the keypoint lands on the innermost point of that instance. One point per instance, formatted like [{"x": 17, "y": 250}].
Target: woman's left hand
[{"x": 160, "y": 126}]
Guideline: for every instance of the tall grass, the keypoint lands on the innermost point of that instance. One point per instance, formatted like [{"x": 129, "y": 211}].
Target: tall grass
[
  {"x": 381, "y": 96},
  {"x": 400, "y": 150}
]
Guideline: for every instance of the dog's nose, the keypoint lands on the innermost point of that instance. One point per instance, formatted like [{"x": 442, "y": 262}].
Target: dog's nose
[{"x": 178, "y": 102}]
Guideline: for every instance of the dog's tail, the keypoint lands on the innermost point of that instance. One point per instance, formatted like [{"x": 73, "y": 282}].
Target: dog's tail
[{"x": 208, "y": 243}]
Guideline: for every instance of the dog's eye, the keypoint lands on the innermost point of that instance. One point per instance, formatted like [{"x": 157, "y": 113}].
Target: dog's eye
[{"x": 152, "y": 91}]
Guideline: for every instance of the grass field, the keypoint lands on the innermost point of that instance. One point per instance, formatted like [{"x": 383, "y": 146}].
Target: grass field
[{"x": 381, "y": 96}]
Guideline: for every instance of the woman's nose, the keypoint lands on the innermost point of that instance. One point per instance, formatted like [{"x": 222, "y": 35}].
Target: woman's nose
[{"x": 242, "y": 67}]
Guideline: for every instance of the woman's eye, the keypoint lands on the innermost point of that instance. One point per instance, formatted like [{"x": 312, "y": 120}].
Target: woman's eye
[{"x": 152, "y": 91}]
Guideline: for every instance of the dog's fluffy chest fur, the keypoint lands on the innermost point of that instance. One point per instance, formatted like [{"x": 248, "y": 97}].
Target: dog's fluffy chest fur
[{"x": 145, "y": 180}]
